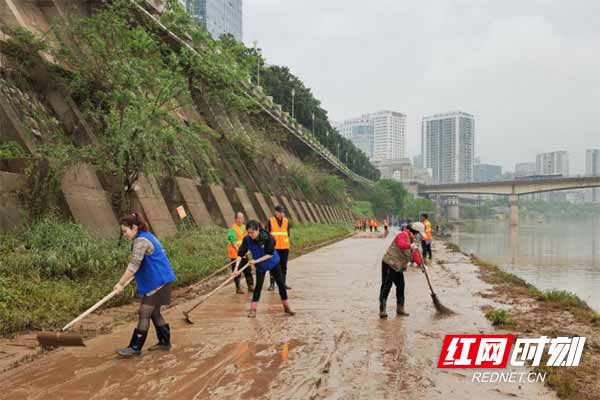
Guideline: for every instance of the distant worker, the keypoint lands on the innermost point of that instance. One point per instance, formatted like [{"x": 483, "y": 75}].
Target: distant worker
[
  {"x": 235, "y": 237},
  {"x": 386, "y": 226},
  {"x": 265, "y": 258},
  {"x": 153, "y": 276},
  {"x": 371, "y": 224},
  {"x": 279, "y": 227},
  {"x": 375, "y": 225},
  {"x": 394, "y": 263},
  {"x": 426, "y": 239}
]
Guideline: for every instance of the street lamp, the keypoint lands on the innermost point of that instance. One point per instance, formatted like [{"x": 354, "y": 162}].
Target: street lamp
[
  {"x": 293, "y": 100},
  {"x": 257, "y": 62},
  {"x": 313, "y": 122}
]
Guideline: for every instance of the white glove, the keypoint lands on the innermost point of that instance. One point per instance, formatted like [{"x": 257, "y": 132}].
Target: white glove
[{"x": 414, "y": 246}]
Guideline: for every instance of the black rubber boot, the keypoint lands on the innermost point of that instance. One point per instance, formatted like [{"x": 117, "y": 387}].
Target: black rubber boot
[
  {"x": 163, "y": 333},
  {"x": 250, "y": 283},
  {"x": 285, "y": 282},
  {"x": 238, "y": 286},
  {"x": 271, "y": 285},
  {"x": 135, "y": 345},
  {"x": 382, "y": 312},
  {"x": 401, "y": 312}
]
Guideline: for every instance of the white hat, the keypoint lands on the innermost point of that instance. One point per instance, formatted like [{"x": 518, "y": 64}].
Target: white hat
[{"x": 419, "y": 227}]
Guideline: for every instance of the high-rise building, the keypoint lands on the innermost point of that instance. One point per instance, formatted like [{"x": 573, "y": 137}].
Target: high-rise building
[
  {"x": 218, "y": 16},
  {"x": 592, "y": 168},
  {"x": 553, "y": 163},
  {"x": 387, "y": 130},
  {"x": 524, "y": 169},
  {"x": 360, "y": 132},
  {"x": 448, "y": 146},
  {"x": 487, "y": 172},
  {"x": 418, "y": 161}
]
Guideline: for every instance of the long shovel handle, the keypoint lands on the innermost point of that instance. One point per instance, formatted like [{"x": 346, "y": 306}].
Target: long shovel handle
[
  {"x": 215, "y": 290},
  {"x": 93, "y": 308}
]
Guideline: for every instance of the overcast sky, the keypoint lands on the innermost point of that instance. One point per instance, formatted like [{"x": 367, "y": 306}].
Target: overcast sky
[{"x": 529, "y": 70}]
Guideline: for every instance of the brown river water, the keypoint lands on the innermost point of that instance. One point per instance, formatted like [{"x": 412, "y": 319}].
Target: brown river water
[
  {"x": 550, "y": 253},
  {"x": 336, "y": 347}
]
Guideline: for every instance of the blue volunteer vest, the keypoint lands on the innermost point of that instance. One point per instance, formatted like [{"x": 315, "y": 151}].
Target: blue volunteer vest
[
  {"x": 155, "y": 269},
  {"x": 258, "y": 251}
]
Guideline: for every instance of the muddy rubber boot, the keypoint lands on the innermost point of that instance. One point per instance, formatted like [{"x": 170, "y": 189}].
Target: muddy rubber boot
[
  {"x": 238, "y": 286},
  {"x": 250, "y": 283},
  {"x": 135, "y": 345},
  {"x": 287, "y": 309},
  {"x": 285, "y": 283},
  {"x": 382, "y": 312},
  {"x": 163, "y": 333},
  {"x": 401, "y": 312},
  {"x": 271, "y": 285},
  {"x": 252, "y": 312}
]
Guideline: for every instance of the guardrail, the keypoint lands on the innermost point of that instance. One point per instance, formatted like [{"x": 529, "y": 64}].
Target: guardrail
[{"x": 256, "y": 94}]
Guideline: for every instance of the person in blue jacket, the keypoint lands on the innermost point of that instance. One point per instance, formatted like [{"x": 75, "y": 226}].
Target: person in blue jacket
[
  {"x": 153, "y": 277},
  {"x": 261, "y": 246}
]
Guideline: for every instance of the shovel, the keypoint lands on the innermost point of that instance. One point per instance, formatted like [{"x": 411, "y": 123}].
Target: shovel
[
  {"x": 186, "y": 314},
  {"x": 64, "y": 338}
]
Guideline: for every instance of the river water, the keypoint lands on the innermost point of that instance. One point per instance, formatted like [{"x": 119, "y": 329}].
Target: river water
[{"x": 550, "y": 253}]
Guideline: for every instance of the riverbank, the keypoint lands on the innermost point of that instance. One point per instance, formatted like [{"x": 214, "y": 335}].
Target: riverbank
[
  {"x": 34, "y": 296},
  {"x": 530, "y": 312}
]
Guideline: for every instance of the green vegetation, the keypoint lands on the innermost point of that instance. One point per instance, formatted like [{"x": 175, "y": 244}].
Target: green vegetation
[
  {"x": 12, "y": 150},
  {"x": 362, "y": 208},
  {"x": 391, "y": 197},
  {"x": 55, "y": 270},
  {"x": 558, "y": 208},
  {"x": 499, "y": 318},
  {"x": 279, "y": 83},
  {"x": 488, "y": 208},
  {"x": 562, "y": 297}
]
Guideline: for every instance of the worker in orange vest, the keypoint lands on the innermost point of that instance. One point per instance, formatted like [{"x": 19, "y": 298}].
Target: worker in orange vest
[
  {"x": 236, "y": 235},
  {"x": 426, "y": 239},
  {"x": 279, "y": 227}
]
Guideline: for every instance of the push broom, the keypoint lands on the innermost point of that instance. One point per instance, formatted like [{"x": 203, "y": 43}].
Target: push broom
[
  {"x": 63, "y": 337},
  {"x": 439, "y": 307}
]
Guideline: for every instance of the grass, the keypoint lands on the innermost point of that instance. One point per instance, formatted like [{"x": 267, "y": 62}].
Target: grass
[
  {"x": 54, "y": 270},
  {"x": 499, "y": 318}
]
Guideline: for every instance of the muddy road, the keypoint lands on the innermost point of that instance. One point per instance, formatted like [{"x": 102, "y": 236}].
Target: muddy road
[{"x": 336, "y": 347}]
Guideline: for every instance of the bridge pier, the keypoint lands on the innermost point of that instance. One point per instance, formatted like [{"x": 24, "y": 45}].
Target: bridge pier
[
  {"x": 453, "y": 208},
  {"x": 514, "y": 209}
]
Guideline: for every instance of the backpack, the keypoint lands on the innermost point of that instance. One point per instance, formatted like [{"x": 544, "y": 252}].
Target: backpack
[{"x": 403, "y": 241}]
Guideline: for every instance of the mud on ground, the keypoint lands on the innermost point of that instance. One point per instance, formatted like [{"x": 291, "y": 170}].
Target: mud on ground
[{"x": 336, "y": 347}]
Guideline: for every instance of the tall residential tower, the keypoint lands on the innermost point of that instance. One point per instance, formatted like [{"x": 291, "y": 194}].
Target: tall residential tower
[
  {"x": 387, "y": 132},
  {"x": 448, "y": 146},
  {"x": 218, "y": 16}
]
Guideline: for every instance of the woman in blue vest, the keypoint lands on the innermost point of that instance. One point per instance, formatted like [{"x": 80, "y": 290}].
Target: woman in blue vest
[
  {"x": 261, "y": 245},
  {"x": 153, "y": 277}
]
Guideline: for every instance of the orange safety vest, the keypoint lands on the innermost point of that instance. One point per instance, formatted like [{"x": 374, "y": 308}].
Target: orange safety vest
[
  {"x": 427, "y": 230},
  {"x": 280, "y": 234},
  {"x": 239, "y": 237}
]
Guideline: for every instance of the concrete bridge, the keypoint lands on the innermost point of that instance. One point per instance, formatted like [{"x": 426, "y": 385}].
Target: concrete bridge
[{"x": 512, "y": 188}]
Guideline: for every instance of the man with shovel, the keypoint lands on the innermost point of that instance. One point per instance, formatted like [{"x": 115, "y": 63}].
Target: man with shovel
[
  {"x": 235, "y": 237},
  {"x": 393, "y": 265}
]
